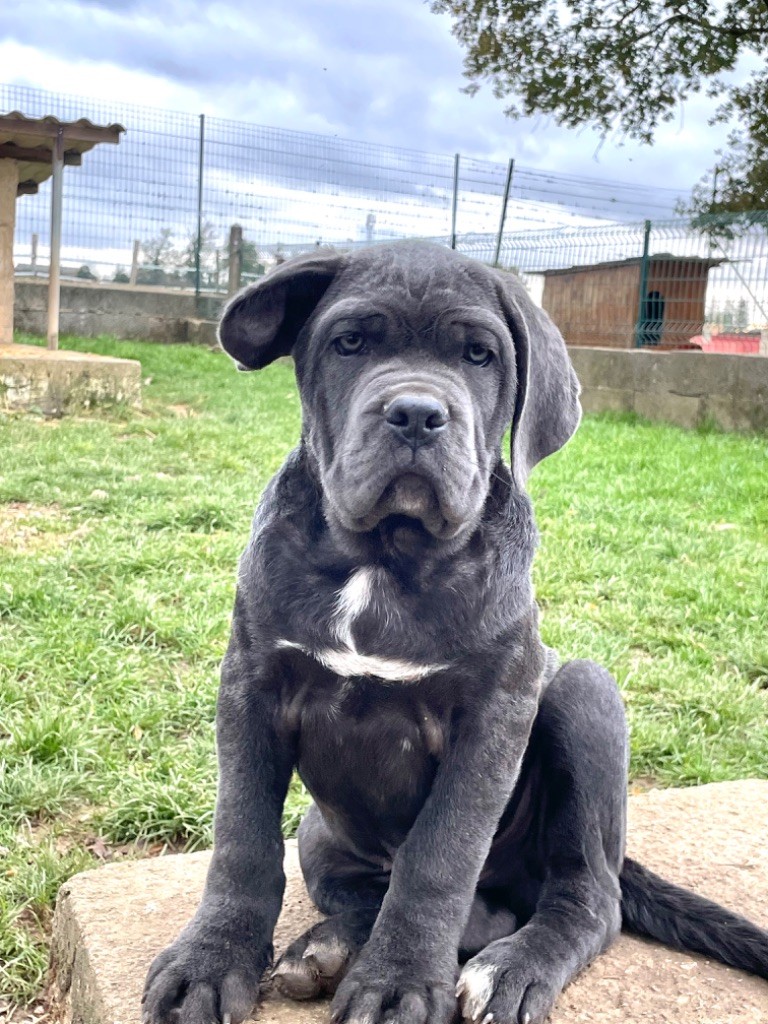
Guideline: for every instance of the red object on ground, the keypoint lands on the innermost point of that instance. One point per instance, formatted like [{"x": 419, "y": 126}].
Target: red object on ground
[{"x": 744, "y": 343}]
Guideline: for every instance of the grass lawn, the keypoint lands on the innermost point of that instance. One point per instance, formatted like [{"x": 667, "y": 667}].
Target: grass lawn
[{"x": 119, "y": 538}]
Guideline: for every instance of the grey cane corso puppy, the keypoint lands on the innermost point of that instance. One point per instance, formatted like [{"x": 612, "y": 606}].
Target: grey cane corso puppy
[{"x": 469, "y": 791}]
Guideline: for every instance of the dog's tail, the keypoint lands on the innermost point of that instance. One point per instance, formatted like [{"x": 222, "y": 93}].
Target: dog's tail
[{"x": 652, "y": 907}]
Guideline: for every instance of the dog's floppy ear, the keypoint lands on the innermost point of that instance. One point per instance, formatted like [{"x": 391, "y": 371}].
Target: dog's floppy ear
[
  {"x": 547, "y": 408},
  {"x": 261, "y": 323}
]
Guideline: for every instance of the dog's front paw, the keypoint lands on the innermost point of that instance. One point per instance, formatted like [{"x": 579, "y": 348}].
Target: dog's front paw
[
  {"x": 206, "y": 975},
  {"x": 385, "y": 993},
  {"x": 508, "y": 983}
]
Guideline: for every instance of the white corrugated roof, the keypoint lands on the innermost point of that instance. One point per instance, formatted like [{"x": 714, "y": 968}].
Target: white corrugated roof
[{"x": 24, "y": 138}]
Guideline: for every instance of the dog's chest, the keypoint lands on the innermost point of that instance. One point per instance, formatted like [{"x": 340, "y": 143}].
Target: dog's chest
[
  {"x": 368, "y": 753},
  {"x": 367, "y": 631}
]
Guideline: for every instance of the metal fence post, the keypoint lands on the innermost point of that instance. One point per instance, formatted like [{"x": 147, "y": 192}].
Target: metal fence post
[
  {"x": 505, "y": 200},
  {"x": 199, "y": 242},
  {"x": 235, "y": 258},
  {"x": 643, "y": 287},
  {"x": 455, "y": 203}
]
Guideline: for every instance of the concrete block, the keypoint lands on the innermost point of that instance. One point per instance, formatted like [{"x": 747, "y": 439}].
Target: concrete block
[
  {"x": 90, "y": 308},
  {"x": 662, "y": 405},
  {"x": 720, "y": 409},
  {"x": 750, "y": 393},
  {"x": 594, "y": 399},
  {"x": 203, "y": 332},
  {"x": 56, "y": 383},
  {"x": 691, "y": 374},
  {"x": 604, "y": 367},
  {"x": 111, "y": 922}
]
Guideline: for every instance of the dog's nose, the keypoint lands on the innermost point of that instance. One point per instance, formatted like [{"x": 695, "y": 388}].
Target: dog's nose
[{"x": 416, "y": 419}]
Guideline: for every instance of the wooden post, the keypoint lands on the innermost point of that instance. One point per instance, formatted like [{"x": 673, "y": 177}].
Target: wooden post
[
  {"x": 9, "y": 182},
  {"x": 33, "y": 257},
  {"x": 235, "y": 258},
  {"x": 135, "y": 261},
  {"x": 54, "y": 296}
]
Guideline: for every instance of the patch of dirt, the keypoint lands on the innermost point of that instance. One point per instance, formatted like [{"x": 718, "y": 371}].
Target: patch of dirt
[
  {"x": 642, "y": 783},
  {"x": 26, "y": 527},
  {"x": 39, "y": 1012}
]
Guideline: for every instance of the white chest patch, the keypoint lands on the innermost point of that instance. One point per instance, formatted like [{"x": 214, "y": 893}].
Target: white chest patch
[
  {"x": 350, "y": 663},
  {"x": 351, "y": 601},
  {"x": 356, "y": 595}
]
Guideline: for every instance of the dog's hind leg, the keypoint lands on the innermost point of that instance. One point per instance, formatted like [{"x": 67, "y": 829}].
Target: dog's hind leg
[
  {"x": 580, "y": 743},
  {"x": 314, "y": 964},
  {"x": 347, "y": 888}
]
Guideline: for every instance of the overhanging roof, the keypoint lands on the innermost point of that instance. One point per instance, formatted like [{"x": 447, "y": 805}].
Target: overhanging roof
[{"x": 30, "y": 141}]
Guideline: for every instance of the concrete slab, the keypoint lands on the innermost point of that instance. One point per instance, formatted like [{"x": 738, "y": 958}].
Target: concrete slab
[
  {"x": 682, "y": 410},
  {"x": 54, "y": 383},
  {"x": 606, "y": 399},
  {"x": 686, "y": 388},
  {"x": 91, "y": 308},
  {"x": 111, "y": 922}
]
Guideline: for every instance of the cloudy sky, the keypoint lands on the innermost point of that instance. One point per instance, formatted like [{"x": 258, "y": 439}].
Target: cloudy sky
[{"x": 376, "y": 72}]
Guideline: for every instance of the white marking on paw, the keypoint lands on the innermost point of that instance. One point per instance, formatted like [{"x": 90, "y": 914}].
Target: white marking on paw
[
  {"x": 475, "y": 988},
  {"x": 351, "y": 602},
  {"x": 330, "y": 946}
]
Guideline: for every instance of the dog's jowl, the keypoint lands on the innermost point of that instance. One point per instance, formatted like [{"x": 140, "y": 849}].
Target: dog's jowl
[{"x": 466, "y": 836}]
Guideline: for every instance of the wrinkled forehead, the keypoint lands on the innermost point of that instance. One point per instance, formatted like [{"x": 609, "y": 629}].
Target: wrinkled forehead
[{"x": 419, "y": 282}]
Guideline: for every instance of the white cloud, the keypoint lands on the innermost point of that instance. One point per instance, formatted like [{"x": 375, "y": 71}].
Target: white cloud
[{"x": 387, "y": 74}]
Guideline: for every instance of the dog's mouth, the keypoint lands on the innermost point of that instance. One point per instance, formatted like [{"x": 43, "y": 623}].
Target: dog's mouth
[{"x": 408, "y": 503}]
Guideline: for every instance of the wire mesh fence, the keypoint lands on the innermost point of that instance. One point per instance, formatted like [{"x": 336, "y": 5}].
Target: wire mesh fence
[
  {"x": 668, "y": 283},
  {"x": 199, "y": 203},
  {"x": 178, "y": 182}
]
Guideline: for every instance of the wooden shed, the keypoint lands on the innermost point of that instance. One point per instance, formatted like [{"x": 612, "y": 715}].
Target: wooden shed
[{"x": 600, "y": 304}]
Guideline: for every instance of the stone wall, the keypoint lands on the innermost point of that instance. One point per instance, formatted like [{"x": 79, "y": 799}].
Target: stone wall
[
  {"x": 688, "y": 388},
  {"x": 90, "y": 309}
]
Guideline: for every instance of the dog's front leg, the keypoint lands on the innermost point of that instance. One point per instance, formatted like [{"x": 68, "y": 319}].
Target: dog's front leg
[
  {"x": 212, "y": 971},
  {"x": 406, "y": 973}
]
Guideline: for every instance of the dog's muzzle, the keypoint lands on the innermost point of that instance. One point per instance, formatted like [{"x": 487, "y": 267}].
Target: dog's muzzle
[{"x": 407, "y": 453}]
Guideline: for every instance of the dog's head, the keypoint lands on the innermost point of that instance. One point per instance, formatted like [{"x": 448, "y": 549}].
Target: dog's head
[{"x": 411, "y": 362}]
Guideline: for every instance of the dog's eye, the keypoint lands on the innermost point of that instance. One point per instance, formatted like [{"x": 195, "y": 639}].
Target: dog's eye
[
  {"x": 477, "y": 354},
  {"x": 348, "y": 344}
]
